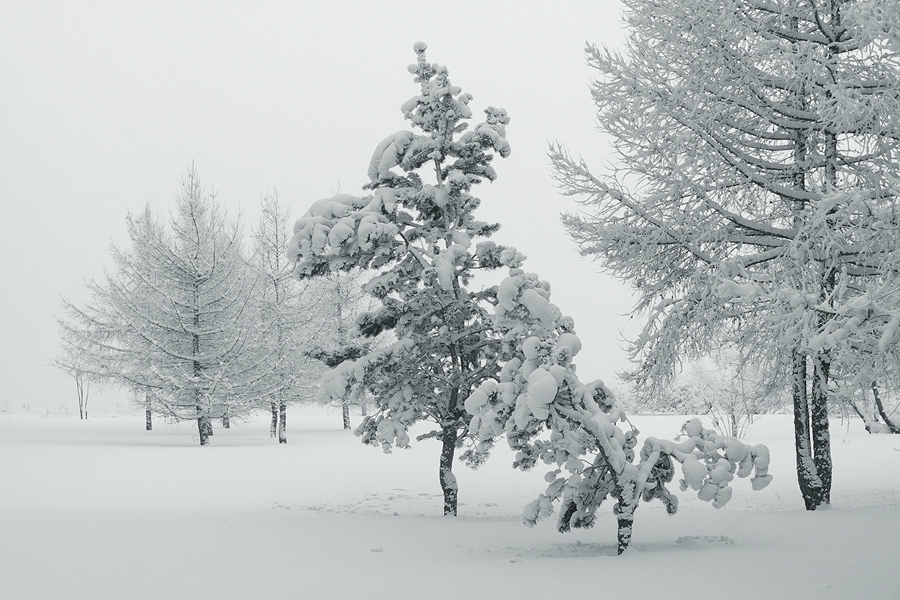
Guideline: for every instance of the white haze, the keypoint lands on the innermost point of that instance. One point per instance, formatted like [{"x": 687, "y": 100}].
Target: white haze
[{"x": 105, "y": 104}]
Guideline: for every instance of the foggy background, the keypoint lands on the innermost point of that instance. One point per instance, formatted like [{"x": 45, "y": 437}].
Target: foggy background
[{"x": 103, "y": 105}]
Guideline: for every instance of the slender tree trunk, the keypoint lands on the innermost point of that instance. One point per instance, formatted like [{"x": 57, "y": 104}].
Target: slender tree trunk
[
  {"x": 345, "y": 411},
  {"x": 821, "y": 435},
  {"x": 880, "y": 408},
  {"x": 87, "y": 393},
  {"x": 226, "y": 422},
  {"x": 273, "y": 427},
  {"x": 79, "y": 387},
  {"x": 865, "y": 419},
  {"x": 148, "y": 414},
  {"x": 282, "y": 422},
  {"x": 204, "y": 424},
  {"x": 448, "y": 479}
]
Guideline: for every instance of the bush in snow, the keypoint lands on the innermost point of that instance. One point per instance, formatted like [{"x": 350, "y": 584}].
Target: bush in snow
[
  {"x": 420, "y": 235},
  {"x": 550, "y": 416}
]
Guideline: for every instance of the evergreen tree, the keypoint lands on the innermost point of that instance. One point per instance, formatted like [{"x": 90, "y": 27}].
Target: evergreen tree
[
  {"x": 417, "y": 227},
  {"x": 173, "y": 321},
  {"x": 550, "y": 416}
]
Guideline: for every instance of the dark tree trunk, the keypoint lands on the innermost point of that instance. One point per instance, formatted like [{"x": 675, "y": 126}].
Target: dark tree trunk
[
  {"x": 345, "y": 411},
  {"x": 204, "y": 427},
  {"x": 880, "y": 408},
  {"x": 282, "y": 423},
  {"x": 812, "y": 440},
  {"x": 226, "y": 422},
  {"x": 806, "y": 475},
  {"x": 273, "y": 428},
  {"x": 623, "y": 534},
  {"x": 148, "y": 420},
  {"x": 448, "y": 479},
  {"x": 821, "y": 434}
]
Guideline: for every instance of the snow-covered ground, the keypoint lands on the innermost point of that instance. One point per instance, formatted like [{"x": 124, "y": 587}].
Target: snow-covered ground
[{"x": 100, "y": 509}]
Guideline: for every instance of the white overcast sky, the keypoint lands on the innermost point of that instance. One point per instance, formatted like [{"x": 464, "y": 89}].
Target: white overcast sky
[{"x": 103, "y": 105}]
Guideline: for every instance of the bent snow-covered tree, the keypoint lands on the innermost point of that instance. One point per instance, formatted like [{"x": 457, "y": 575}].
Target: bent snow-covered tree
[
  {"x": 417, "y": 228},
  {"x": 760, "y": 141},
  {"x": 550, "y": 416}
]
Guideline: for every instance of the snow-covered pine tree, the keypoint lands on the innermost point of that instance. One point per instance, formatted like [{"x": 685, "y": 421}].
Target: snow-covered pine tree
[
  {"x": 173, "y": 321},
  {"x": 550, "y": 416},
  {"x": 760, "y": 139},
  {"x": 289, "y": 313},
  {"x": 417, "y": 228}
]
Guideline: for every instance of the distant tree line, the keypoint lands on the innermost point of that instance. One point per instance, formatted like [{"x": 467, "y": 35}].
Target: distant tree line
[{"x": 199, "y": 325}]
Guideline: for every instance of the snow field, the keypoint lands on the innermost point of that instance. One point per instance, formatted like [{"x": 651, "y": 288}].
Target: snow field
[{"x": 101, "y": 509}]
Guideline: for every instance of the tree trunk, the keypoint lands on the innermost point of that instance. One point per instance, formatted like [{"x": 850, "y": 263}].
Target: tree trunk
[
  {"x": 226, "y": 422},
  {"x": 867, "y": 421},
  {"x": 448, "y": 479},
  {"x": 811, "y": 436},
  {"x": 80, "y": 390},
  {"x": 282, "y": 423},
  {"x": 345, "y": 410},
  {"x": 623, "y": 534},
  {"x": 273, "y": 428},
  {"x": 821, "y": 435},
  {"x": 87, "y": 393},
  {"x": 148, "y": 414},
  {"x": 880, "y": 408},
  {"x": 204, "y": 427},
  {"x": 806, "y": 475}
]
